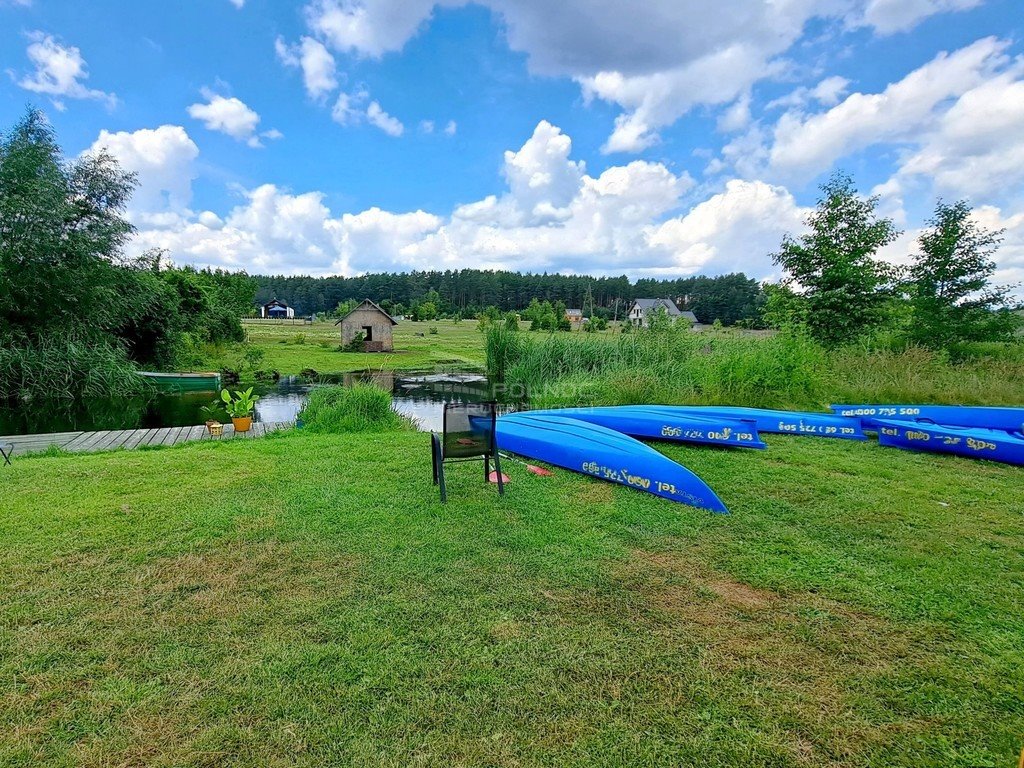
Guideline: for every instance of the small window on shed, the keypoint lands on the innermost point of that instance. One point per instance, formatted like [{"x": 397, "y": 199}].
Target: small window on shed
[{"x": 368, "y": 332}]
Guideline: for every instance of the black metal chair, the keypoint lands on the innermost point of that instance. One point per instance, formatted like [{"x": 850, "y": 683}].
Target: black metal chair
[
  {"x": 468, "y": 434},
  {"x": 6, "y": 450}
]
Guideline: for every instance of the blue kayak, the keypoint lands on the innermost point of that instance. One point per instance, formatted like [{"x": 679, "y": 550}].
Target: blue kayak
[
  {"x": 978, "y": 416},
  {"x": 991, "y": 444},
  {"x": 604, "y": 453},
  {"x": 774, "y": 421},
  {"x": 640, "y": 421}
]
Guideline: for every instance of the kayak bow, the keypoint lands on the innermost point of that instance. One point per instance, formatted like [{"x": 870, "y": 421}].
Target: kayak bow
[
  {"x": 991, "y": 444},
  {"x": 658, "y": 424},
  {"x": 977, "y": 416},
  {"x": 603, "y": 453}
]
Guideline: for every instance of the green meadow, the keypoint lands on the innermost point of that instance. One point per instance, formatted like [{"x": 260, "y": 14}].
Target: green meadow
[
  {"x": 305, "y": 600},
  {"x": 289, "y": 349}
]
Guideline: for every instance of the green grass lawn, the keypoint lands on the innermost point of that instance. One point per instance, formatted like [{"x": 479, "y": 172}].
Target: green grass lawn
[
  {"x": 289, "y": 349},
  {"x": 306, "y": 600}
]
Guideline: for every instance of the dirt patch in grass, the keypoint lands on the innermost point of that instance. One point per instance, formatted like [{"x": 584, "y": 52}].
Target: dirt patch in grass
[
  {"x": 740, "y": 595},
  {"x": 805, "y": 656},
  {"x": 228, "y": 580},
  {"x": 590, "y": 494},
  {"x": 138, "y": 649}
]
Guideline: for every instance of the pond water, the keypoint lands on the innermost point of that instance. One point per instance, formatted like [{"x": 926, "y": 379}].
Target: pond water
[{"x": 420, "y": 395}]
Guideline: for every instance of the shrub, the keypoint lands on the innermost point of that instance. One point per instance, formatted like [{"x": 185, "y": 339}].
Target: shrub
[
  {"x": 356, "y": 345},
  {"x": 360, "y": 408}
]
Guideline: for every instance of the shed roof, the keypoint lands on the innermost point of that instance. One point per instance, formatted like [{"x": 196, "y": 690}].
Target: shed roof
[
  {"x": 276, "y": 302},
  {"x": 367, "y": 304},
  {"x": 689, "y": 316}
]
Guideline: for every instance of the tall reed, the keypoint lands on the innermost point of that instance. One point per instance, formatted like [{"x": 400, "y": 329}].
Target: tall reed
[
  {"x": 69, "y": 369},
  {"x": 783, "y": 370}
]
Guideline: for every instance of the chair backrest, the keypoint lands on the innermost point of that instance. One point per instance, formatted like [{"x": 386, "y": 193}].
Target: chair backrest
[{"x": 469, "y": 429}]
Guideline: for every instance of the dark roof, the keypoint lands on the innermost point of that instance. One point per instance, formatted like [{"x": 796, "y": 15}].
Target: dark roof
[
  {"x": 367, "y": 304},
  {"x": 277, "y": 302},
  {"x": 648, "y": 304}
]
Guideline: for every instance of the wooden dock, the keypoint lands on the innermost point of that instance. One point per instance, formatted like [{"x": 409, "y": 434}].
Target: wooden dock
[{"x": 86, "y": 442}]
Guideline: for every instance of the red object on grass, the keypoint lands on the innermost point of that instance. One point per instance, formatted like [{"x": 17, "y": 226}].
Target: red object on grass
[
  {"x": 539, "y": 470},
  {"x": 493, "y": 477}
]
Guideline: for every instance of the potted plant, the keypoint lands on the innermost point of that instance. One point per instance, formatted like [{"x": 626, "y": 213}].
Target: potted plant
[
  {"x": 240, "y": 407},
  {"x": 213, "y": 412}
]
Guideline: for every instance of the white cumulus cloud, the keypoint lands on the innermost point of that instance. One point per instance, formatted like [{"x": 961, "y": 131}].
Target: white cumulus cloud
[
  {"x": 735, "y": 230},
  {"x": 392, "y": 126},
  {"x": 60, "y": 72},
  {"x": 232, "y": 117},
  {"x": 163, "y": 159},
  {"x": 657, "y": 60},
  {"x": 319, "y": 70},
  {"x": 348, "y": 110},
  {"x": 639, "y": 218},
  {"x": 890, "y": 16},
  {"x": 804, "y": 145}
]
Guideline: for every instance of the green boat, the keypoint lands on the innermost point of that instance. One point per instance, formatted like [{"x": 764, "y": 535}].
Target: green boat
[{"x": 183, "y": 382}]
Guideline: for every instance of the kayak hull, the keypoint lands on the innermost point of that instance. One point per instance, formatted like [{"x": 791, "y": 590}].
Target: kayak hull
[
  {"x": 980, "y": 417},
  {"x": 661, "y": 425},
  {"x": 775, "y": 421},
  {"x": 992, "y": 444},
  {"x": 600, "y": 452}
]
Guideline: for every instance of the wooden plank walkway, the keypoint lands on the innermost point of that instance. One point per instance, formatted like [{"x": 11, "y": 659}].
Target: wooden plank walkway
[{"x": 108, "y": 440}]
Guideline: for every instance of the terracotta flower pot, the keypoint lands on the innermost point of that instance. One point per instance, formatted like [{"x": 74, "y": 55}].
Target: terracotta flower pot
[{"x": 243, "y": 424}]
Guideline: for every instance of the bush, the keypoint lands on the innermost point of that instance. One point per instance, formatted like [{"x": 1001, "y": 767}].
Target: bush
[
  {"x": 356, "y": 345},
  {"x": 360, "y": 408}
]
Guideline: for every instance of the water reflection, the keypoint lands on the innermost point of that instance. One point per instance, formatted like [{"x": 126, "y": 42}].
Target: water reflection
[{"x": 419, "y": 395}]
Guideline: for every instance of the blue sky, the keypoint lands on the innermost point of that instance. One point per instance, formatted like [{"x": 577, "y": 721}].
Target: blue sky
[{"x": 651, "y": 138}]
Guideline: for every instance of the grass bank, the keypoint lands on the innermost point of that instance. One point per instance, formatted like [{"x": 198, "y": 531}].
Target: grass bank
[
  {"x": 306, "y": 600},
  {"x": 741, "y": 369},
  {"x": 289, "y": 349}
]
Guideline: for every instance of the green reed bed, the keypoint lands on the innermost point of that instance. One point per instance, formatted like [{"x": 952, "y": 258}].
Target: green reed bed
[
  {"x": 68, "y": 369},
  {"x": 782, "y": 370}
]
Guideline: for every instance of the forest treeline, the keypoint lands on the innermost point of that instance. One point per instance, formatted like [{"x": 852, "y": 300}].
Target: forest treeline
[{"x": 731, "y": 299}]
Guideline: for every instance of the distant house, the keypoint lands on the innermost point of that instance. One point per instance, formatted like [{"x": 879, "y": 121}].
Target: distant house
[
  {"x": 575, "y": 317},
  {"x": 373, "y": 323},
  {"x": 277, "y": 309},
  {"x": 692, "y": 318},
  {"x": 639, "y": 313}
]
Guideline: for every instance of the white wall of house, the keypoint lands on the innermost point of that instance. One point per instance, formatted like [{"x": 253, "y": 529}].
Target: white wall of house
[{"x": 289, "y": 312}]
